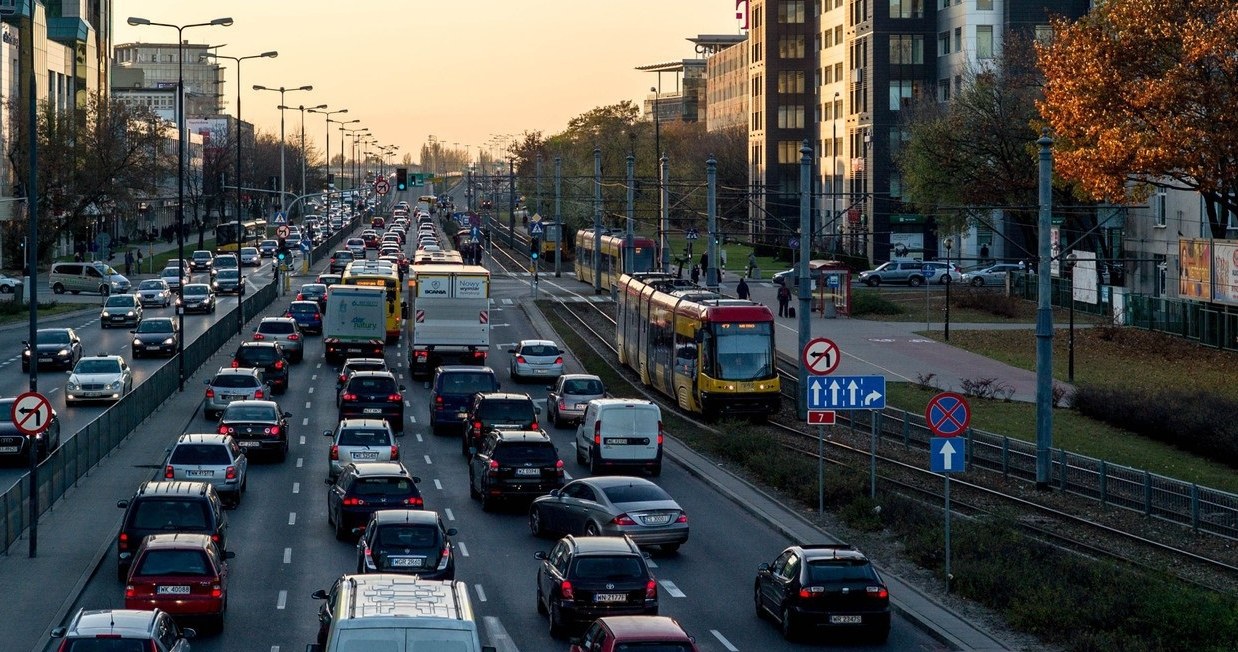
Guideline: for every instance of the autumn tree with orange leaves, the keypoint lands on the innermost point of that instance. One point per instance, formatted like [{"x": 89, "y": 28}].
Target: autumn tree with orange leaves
[{"x": 1142, "y": 94}]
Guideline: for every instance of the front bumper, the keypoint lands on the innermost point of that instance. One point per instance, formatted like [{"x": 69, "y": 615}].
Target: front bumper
[
  {"x": 573, "y": 611},
  {"x": 741, "y": 404}
]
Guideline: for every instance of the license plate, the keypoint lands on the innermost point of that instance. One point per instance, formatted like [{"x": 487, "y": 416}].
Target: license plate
[
  {"x": 846, "y": 620},
  {"x": 540, "y": 371},
  {"x": 351, "y": 350},
  {"x": 372, "y": 411},
  {"x": 582, "y": 406},
  {"x": 172, "y": 590},
  {"x": 9, "y": 449},
  {"x": 618, "y": 441},
  {"x": 407, "y": 562},
  {"x": 232, "y": 397},
  {"x": 610, "y": 597},
  {"x": 46, "y": 358},
  {"x": 117, "y": 318},
  {"x": 152, "y": 347},
  {"x": 199, "y": 474},
  {"x": 658, "y": 519},
  {"x": 368, "y": 455},
  {"x": 462, "y": 415},
  {"x": 528, "y": 472},
  {"x": 248, "y": 444}
]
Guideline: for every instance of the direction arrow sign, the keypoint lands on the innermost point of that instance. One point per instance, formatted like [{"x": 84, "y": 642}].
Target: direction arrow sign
[
  {"x": 847, "y": 393},
  {"x": 821, "y": 417},
  {"x": 306, "y": 245},
  {"x": 382, "y": 187},
  {"x": 821, "y": 356},
  {"x": 31, "y": 413},
  {"x": 948, "y": 414},
  {"x": 946, "y": 455}
]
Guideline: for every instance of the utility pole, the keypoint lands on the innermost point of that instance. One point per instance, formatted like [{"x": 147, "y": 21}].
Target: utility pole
[
  {"x": 805, "y": 291},
  {"x": 711, "y": 205},
  {"x": 1044, "y": 319},
  {"x": 558, "y": 215},
  {"x": 629, "y": 227},
  {"x": 597, "y": 221},
  {"x": 511, "y": 202},
  {"x": 665, "y": 210}
]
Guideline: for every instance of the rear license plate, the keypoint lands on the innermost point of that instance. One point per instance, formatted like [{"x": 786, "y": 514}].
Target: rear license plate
[
  {"x": 618, "y": 441},
  {"x": 199, "y": 474},
  {"x": 610, "y": 597},
  {"x": 9, "y": 449},
  {"x": 172, "y": 590},
  {"x": 354, "y": 350},
  {"x": 232, "y": 397},
  {"x": 658, "y": 519},
  {"x": 540, "y": 371},
  {"x": 582, "y": 406},
  {"x": 248, "y": 444},
  {"x": 365, "y": 455},
  {"x": 846, "y": 620},
  {"x": 528, "y": 472},
  {"x": 407, "y": 562},
  {"x": 372, "y": 411}
]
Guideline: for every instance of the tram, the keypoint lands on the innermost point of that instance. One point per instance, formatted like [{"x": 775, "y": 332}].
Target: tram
[{"x": 644, "y": 257}]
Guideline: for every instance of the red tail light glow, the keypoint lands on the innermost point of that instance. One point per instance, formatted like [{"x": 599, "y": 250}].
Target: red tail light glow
[
  {"x": 562, "y": 404},
  {"x": 235, "y": 364},
  {"x": 258, "y": 337},
  {"x": 623, "y": 519},
  {"x": 651, "y": 589},
  {"x": 661, "y": 435},
  {"x": 335, "y": 452},
  {"x": 565, "y": 590},
  {"x": 130, "y": 591},
  {"x": 879, "y": 592},
  {"x": 559, "y": 360},
  {"x": 559, "y": 468},
  {"x": 215, "y": 538},
  {"x": 533, "y": 426},
  {"x": 349, "y": 396},
  {"x": 217, "y": 591},
  {"x": 210, "y": 393},
  {"x": 683, "y": 518},
  {"x": 223, "y": 430},
  {"x": 168, "y": 472},
  {"x": 438, "y": 401},
  {"x": 279, "y": 364},
  {"x": 394, "y": 398},
  {"x": 476, "y": 427},
  {"x": 395, "y": 452},
  {"x": 230, "y": 473},
  {"x": 494, "y": 466},
  {"x": 414, "y": 501},
  {"x": 597, "y": 433},
  {"x": 259, "y": 394},
  {"x": 353, "y": 502},
  {"x": 520, "y": 359},
  {"x": 122, "y": 541},
  {"x": 294, "y": 337}
]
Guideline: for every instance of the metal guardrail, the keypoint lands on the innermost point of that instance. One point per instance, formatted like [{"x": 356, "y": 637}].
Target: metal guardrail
[{"x": 1203, "y": 509}]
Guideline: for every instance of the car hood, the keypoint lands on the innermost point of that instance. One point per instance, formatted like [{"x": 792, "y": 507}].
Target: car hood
[
  {"x": 152, "y": 337},
  {"x": 53, "y": 347},
  {"x": 94, "y": 378},
  {"x": 197, "y": 298},
  {"x": 118, "y": 310}
]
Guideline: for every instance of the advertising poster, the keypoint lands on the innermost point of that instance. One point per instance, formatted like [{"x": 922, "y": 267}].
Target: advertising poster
[
  {"x": 1194, "y": 269},
  {"x": 1225, "y": 271}
]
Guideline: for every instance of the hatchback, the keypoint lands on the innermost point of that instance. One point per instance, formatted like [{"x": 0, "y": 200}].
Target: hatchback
[
  {"x": 824, "y": 586},
  {"x": 228, "y": 385},
  {"x": 316, "y": 292},
  {"x": 199, "y": 297},
  {"x": 353, "y": 365},
  {"x": 612, "y": 506},
  {"x": 374, "y": 395},
  {"x": 341, "y": 258},
  {"x": 356, "y": 441},
  {"x": 120, "y": 310},
  {"x": 357, "y": 247},
  {"x": 362, "y": 489},
  {"x": 409, "y": 542},
  {"x": 307, "y": 314},
  {"x": 991, "y": 274},
  {"x": 185, "y": 575},
  {"x": 286, "y": 332},
  {"x": 567, "y": 399},
  {"x": 215, "y": 459},
  {"x": 155, "y": 292},
  {"x": 496, "y": 411},
  {"x": 267, "y": 248},
  {"x": 200, "y": 260},
  {"x": 250, "y": 257},
  {"x": 173, "y": 277},
  {"x": 267, "y": 357},
  {"x": 327, "y": 280},
  {"x": 155, "y": 336},
  {"x": 635, "y": 633},
  {"x": 123, "y": 630},
  {"x": 257, "y": 426},
  {"x": 540, "y": 358}
]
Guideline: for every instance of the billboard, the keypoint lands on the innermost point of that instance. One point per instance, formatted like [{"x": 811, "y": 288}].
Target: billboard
[
  {"x": 1083, "y": 275},
  {"x": 1225, "y": 271},
  {"x": 1195, "y": 269}
]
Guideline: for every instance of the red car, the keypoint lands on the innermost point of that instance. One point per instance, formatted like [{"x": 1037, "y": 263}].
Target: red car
[
  {"x": 613, "y": 633},
  {"x": 371, "y": 240},
  {"x": 183, "y": 574}
]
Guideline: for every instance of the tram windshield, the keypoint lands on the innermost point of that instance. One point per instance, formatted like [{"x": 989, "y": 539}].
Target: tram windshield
[
  {"x": 743, "y": 351},
  {"x": 642, "y": 258}
]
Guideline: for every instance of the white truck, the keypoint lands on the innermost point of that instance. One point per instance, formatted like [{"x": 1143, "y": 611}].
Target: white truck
[
  {"x": 451, "y": 317},
  {"x": 354, "y": 323}
]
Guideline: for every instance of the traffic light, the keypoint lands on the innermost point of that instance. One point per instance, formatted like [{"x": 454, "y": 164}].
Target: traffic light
[{"x": 401, "y": 179}]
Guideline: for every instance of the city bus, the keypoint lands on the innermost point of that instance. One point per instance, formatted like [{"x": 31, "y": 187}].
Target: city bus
[
  {"x": 253, "y": 232},
  {"x": 383, "y": 274}
]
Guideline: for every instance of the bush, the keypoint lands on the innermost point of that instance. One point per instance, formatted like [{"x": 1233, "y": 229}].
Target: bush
[
  {"x": 1207, "y": 429},
  {"x": 994, "y": 303},
  {"x": 868, "y": 302}
]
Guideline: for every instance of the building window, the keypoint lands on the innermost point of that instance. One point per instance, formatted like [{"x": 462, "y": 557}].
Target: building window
[
  {"x": 958, "y": 39},
  {"x": 791, "y": 116},
  {"x": 838, "y": 34},
  {"x": 896, "y": 185},
  {"x": 943, "y": 44},
  {"x": 1044, "y": 34},
  {"x": 756, "y": 121},
  {"x": 756, "y": 86},
  {"x": 984, "y": 41},
  {"x": 791, "y": 81},
  {"x": 827, "y": 75},
  {"x": 1159, "y": 208},
  {"x": 906, "y": 49},
  {"x": 838, "y": 72},
  {"x": 791, "y": 47},
  {"x": 901, "y": 93},
  {"x": 906, "y": 8},
  {"x": 791, "y": 12},
  {"x": 827, "y": 38},
  {"x": 943, "y": 90},
  {"x": 984, "y": 5},
  {"x": 788, "y": 152},
  {"x": 899, "y": 138}
]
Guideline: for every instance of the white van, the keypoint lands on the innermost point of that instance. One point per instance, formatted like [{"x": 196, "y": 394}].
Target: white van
[
  {"x": 396, "y": 613},
  {"x": 620, "y": 432}
]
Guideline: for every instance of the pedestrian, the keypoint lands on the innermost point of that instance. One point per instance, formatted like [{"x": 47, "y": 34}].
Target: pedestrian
[
  {"x": 139, "y": 261},
  {"x": 696, "y": 274},
  {"x": 705, "y": 261},
  {"x": 77, "y": 257},
  {"x": 741, "y": 289},
  {"x": 784, "y": 300},
  {"x": 752, "y": 263},
  {"x": 984, "y": 253},
  {"x": 128, "y": 263}
]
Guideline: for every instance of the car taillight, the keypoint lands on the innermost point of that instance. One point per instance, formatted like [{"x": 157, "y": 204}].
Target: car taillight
[
  {"x": 812, "y": 592},
  {"x": 661, "y": 435},
  {"x": 520, "y": 359},
  {"x": 349, "y": 396},
  {"x": 223, "y": 430},
  {"x": 559, "y": 360},
  {"x": 562, "y": 404},
  {"x": 279, "y": 364},
  {"x": 294, "y": 337},
  {"x": 623, "y": 519},
  {"x": 438, "y": 401},
  {"x": 683, "y": 518},
  {"x": 559, "y": 468},
  {"x": 273, "y": 430},
  {"x": 597, "y": 433},
  {"x": 479, "y": 354},
  {"x": 651, "y": 590},
  {"x": 301, "y": 297},
  {"x": 130, "y": 591},
  {"x": 394, "y": 398},
  {"x": 533, "y": 426},
  {"x": 215, "y": 538},
  {"x": 422, "y": 355},
  {"x": 565, "y": 590},
  {"x": 494, "y": 465},
  {"x": 879, "y": 592},
  {"x": 210, "y": 393},
  {"x": 259, "y": 394},
  {"x": 476, "y": 427},
  {"x": 235, "y": 364},
  {"x": 353, "y": 502},
  {"x": 230, "y": 473},
  {"x": 414, "y": 501},
  {"x": 343, "y": 378},
  {"x": 335, "y": 452},
  {"x": 395, "y": 452},
  {"x": 122, "y": 541},
  {"x": 258, "y": 337},
  {"x": 168, "y": 472},
  {"x": 217, "y": 591}
]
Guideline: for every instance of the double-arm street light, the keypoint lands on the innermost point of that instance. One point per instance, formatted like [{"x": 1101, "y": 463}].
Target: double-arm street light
[
  {"x": 343, "y": 156},
  {"x": 281, "y": 90},
  {"x": 356, "y": 135},
  {"x": 236, "y": 180},
  {"x": 327, "y": 166},
  {"x": 302, "y": 108},
  {"x": 180, "y": 168}
]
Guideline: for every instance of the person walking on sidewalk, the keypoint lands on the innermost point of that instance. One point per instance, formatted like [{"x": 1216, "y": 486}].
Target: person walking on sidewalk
[
  {"x": 741, "y": 289},
  {"x": 784, "y": 299},
  {"x": 696, "y": 274},
  {"x": 752, "y": 263}
]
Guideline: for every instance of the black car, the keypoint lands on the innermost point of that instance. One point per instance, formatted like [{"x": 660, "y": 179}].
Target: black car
[
  {"x": 257, "y": 426},
  {"x": 452, "y": 390},
  {"x": 352, "y": 366},
  {"x": 269, "y": 358},
  {"x": 407, "y": 541},
  {"x": 362, "y": 489},
  {"x": 155, "y": 336},
  {"x": 14, "y": 444},
  {"x": 823, "y": 586},
  {"x": 199, "y": 297},
  {"x": 167, "y": 507},
  {"x": 373, "y": 395},
  {"x": 316, "y": 292},
  {"x": 267, "y": 248},
  {"x": 58, "y": 347},
  {"x": 514, "y": 464},
  {"x": 498, "y": 411},
  {"x": 583, "y": 579}
]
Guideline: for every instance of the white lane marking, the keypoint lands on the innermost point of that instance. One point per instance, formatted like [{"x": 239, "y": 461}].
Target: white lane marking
[
  {"x": 412, "y": 419},
  {"x": 292, "y": 518},
  {"x": 318, "y": 366},
  {"x": 296, "y": 487},
  {"x": 287, "y": 555},
  {"x": 463, "y": 550},
  {"x": 481, "y": 593},
  {"x": 300, "y": 462},
  {"x": 311, "y": 390},
  {"x": 313, "y": 377},
  {"x": 406, "y": 404},
  {"x": 282, "y": 601},
  {"x": 305, "y": 421},
  {"x": 722, "y": 639},
  {"x": 438, "y": 485},
  {"x": 419, "y": 437},
  {"x": 428, "y": 459},
  {"x": 307, "y": 405},
  {"x": 53, "y": 390},
  {"x": 650, "y": 562},
  {"x": 672, "y": 589},
  {"x": 499, "y": 638},
  {"x": 274, "y": 648},
  {"x": 302, "y": 440},
  {"x": 567, "y": 476},
  {"x": 508, "y": 302},
  {"x": 450, "y": 515}
]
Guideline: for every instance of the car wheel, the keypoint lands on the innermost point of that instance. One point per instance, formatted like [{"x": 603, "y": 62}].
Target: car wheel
[
  {"x": 915, "y": 281},
  {"x": 464, "y": 443},
  {"x": 554, "y": 418},
  {"x": 473, "y": 492},
  {"x": 872, "y": 281},
  {"x": 977, "y": 282},
  {"x": 787, "y": 625},
  {"x": 655, "y": 470},
  {"x": 535, "y": 523},
  {"x": 25, "y": 368},
  {"x": 556, "y": 622},
  {"x": 282, "y": 454},
  {"x": 6, "y": 289},
  {"x": 102, "y": 324},
  {"x": 756, "y": 601},
  {"x": 487, "y": 501},
  {"x": 59, "y": 289},
  {"x": 879, "y": 635},
  {"x": 591, "y": 529}
]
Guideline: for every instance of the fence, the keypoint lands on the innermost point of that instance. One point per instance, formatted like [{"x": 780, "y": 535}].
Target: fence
[{"x": 1201, "y": 508}]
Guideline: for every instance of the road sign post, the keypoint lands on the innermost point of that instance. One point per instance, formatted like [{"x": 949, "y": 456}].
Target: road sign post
[
  {"x": 821, "y": 356},
  {"x": 948, "y": 415}
]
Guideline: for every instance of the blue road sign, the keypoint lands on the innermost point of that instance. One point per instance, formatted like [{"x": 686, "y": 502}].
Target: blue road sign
[
  {"x": 927, "y": 270},
  {"x": 691, "y": 234},
  {"x": 847, "y": 393},
  {"x": 536, "y": 229},
  {"x": 475, "y": 233},
  {"x": 946, "y": 455},
  {"x": 279, "y": 218},
  {"x": 793, "y": 243},
  {"x": 306, "y": 245}
]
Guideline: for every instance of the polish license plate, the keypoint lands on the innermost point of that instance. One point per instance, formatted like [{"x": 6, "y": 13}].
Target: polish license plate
[
  {"x": 354, "y": 350},
  {"x": 232, "y": 397},
  {"x": 365, "y": 455},
  {"x": 407, "y": 562},
  {"x": 610, "y": 597},
  {"x": 528, "y": 472},
  {"x": 118, "y": 318},
  {"x": 248, "y": 444},
  {"x": 199, "y": 474},
  {"x": 540, "y": 371},
  {"x": 46, "y": 358},
  {"x": 172, "y": 590},
  {"x": 372, "y": 411},
  {"x": 846, "y": 620},
  {"x": 657, "y": 519},
  {"x": 9, "y": 449},
  {"x": 582, "y": 406},
  {"x": 152, "y": 347},
  {"x": 618, "y": 441}
]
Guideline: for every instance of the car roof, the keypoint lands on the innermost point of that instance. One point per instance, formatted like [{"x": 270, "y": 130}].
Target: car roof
[
  {"x": 522, "y": 436},
  {"x": 381, "y": 468},
  {"x": 636, "y": 628},
  {"x": 252, "y": 401},
  {"x": 177, "y": 488},
  {"x": 101, "y": 356},
  {"x": 603, "y": 545},
  {"x": 204, "y": 286},
  {"x": 176, "y": 540},
  {"x": 607, "y": 481},
  {"x": 463, "y": 369},
  {"x": 268, "y": 320},
  {"x": 202, "y": 438},
  {"x": 815, "y": 551},
  {"x": 537, "y": 342},
  {"x": 307, "y": 304},
  {"x": 362, "y": 423},
  {"x": 580, "y": 377},
  {"x": 252, "y": 344},
  {"x": 372, "y": 374},
  {"x": 121, "y": 622},
  {"x": 413, "y": 516},
  {"x": 622, "y": 401},
  {"x": 503, "y": 396},
  {"x": 234, "y": 371},
  {"x": 359, "y": 361}
]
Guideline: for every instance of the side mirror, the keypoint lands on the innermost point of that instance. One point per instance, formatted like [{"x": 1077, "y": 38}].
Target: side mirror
[
  {"x": 320, "y": 594},
  {"x": 287, "y": 414},
  {"x": 401, "y": 388},
  {"x": 451, "y": 532},
  {"x": 122, "y": 504},
  {"x": 188, "y": 632},
  {"x": 132, "y": 331},
  {"x": 229, "y": 555},
  {"x": 762, "y": 568},
  {"x": 416, "y": 480},
  {"x": 357, "y": 531},
  {"x": 59, "y": 632},
  {"x": 326, "y": 433},
  {"x": 541, "y": 554}
]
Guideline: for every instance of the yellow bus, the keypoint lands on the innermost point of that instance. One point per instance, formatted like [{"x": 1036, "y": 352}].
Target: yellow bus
[{"x": 383, "y": 274}]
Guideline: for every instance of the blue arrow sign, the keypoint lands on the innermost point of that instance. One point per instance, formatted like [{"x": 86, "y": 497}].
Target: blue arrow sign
[
  {"x": 946, "y": 455},
  {"x": 847, "y": 393}
]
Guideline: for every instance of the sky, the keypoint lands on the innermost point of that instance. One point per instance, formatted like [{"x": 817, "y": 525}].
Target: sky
[{"x": 461, "y": 71}]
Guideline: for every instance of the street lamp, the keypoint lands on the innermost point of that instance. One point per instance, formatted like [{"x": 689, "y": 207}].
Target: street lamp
[
  {"x": 302, "y": 108},
  {"x": 281, "y": 90},
  {"x": 352, "y": 149},
  {"x": 240, "y": 310},
  {"x": 180, "y": 168},
  {"x": 327, "y": 165},
  {"x": 949, "y": 281},
  {"x": 343, "y": 156}
]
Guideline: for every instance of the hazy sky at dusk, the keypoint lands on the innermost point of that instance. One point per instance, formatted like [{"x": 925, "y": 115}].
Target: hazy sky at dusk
[{"x": 460, "y": 70}]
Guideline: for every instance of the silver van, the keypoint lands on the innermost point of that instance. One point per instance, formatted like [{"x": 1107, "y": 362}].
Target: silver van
[
  {"x": 620, "y": 432},
  {"x": 87, "y": 277}
]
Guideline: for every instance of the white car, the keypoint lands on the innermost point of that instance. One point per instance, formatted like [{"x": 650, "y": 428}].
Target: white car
[
  {"x": 540, "y": 358},
  {"x": 98, "y": 378},
  {"x": 155, "y": 292},
  {"x": 173, "y": 277},
  {"x": 10, "y": 285},
  {"x": 250, "y": 257}
]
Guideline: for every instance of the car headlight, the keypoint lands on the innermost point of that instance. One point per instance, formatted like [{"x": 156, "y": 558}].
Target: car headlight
[
  {"x": 62, "y": 352},
  {"x": 130, "y": 314},
  {"x": 136, "y": 342},
  {"x": 114, "y": 385},
  {"x": 215, "y": 284},
  {"x": 25, "y": 353},
  {"x": 71, "y": 385},
  {"x": 170, "y": 341}
]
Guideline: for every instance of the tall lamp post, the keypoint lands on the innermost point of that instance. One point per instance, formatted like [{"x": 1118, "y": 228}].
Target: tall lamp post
[
  {"x": 327, "y": 166},
  {"x": 663, "y": 228},
  {"x": 302, "y": 108},
  {"x": 356, "y": 134},
  {"x": 180, "y": 168},
  {"x": 240, "y": 310},
  {"x": 281, "y": 90}
]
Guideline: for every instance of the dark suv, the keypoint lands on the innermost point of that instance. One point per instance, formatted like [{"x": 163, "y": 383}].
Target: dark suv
[
  {"x": 166, "y": 507},
  {"x": 267, "y": 357},
  {"x": 362, "y": 489},
  {"x": 514, "y": 464},
  {"x": 407, "y": 541},
  {"x": 582, "y": 579},
  {"x": 496, "y": 411},
  {"x": 373, "y": 395},
  {"x": 452, "y": 391},
  {"x": 813, "y": 587}
]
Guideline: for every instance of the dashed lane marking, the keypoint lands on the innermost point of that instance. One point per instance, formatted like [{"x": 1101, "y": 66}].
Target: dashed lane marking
[
  {"x": 498, "y": 635},
  {"x": 428, "y": 462},
  {"x": 419, "y": 439},
  {"x": 481, "y": 593},
  {"x": 450, "y": 515},
  {"x": 722, "y": 639},
  {"x": 305, "y": 421},
  {"x": 302, "y": 440},
  {"x": 311, "y": 391},
  {"x": 292, "y": 518},
  {"x": 671, "y": 589},
  {"x": 300, "y": 462},
  {"x": 296, "y": 487},
  {"x": 307, "y": 405},
  {"x": 438, "y": 485},
  {"x": 287, "y": 555},
  {"x": 282, "y": 600},
  {"x": 463, "y": 549}
]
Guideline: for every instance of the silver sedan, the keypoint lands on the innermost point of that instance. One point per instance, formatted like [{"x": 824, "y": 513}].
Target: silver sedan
[{"x": 612, "y": 506}]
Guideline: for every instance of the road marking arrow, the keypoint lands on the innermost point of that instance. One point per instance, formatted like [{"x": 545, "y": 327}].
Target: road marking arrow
[{"x": 947, "y": 455}]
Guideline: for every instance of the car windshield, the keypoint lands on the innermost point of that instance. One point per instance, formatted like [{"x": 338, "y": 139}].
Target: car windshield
[
  {"x": 122, "y": 301},
  {"x": 744, "y": 352},
  {"x": 409, "y": 536},
  {"x": 269, "y": 243},
  {"x": 625, "y": 567},
  {"x": 383, "y": 487},
  {"x": 506, "y": 410},
  {"x": 225, "y": 261},
  {"x": 173, "y": 562},
  {"x": 539, "y": 350},
  {"x": 527, "y": 453},
  {"x": 258, "y": 354},
  {"x": 250, "y": 413},
  {"x": 364, "y": 437},
  {"x": 172, "y": 515},
  {"x": 372, "y": 385},
  {"x": 249, "y": 251},
  {"x": 212, "y": 454},
  {"x": 196, "y": 290},
  {"x": 840, "y": 570},
  {"x": 98, "y": 367},
  {"x": 635, "y": 493},
  {"x": 152, "y": 284},
  {"x": 277, "y": 327},
  {"x": 202, "y": 255},
  {"x": 235, "y": 380},
  {"x": 170, "y": 272},
  {"x": 582, "y": 386},
  {"x": 313, "y": 289},
  {"x": 155, "y": 326},
  {"x": 467, "y": 383},
  {"x": 53, "y": 337}
]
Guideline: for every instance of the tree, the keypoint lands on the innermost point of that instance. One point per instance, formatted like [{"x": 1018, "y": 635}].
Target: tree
[{"x": 1141, "y": 95}]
